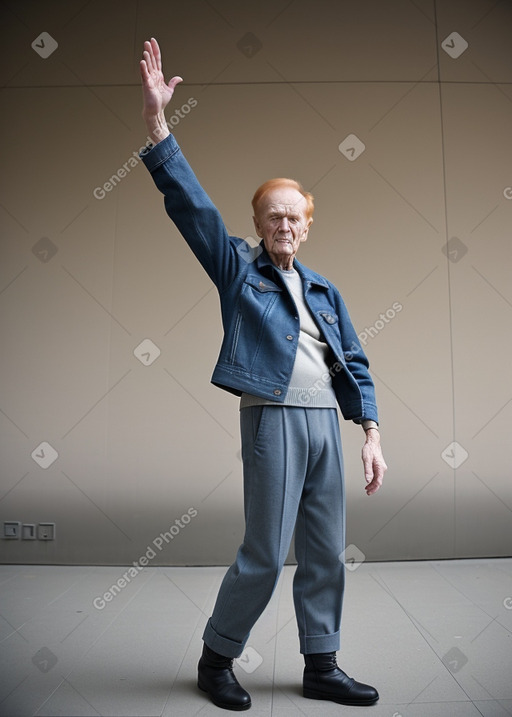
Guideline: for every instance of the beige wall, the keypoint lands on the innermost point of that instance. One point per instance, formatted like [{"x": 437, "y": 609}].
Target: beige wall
[{"x": 139, "y": 446}]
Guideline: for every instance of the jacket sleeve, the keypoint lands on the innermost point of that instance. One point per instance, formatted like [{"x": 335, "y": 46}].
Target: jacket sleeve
[
  {"x": 193, "y": 212},
  {"x": 357, "y": 363}
]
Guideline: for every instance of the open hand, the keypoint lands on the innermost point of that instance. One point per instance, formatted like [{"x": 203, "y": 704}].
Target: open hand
[{"x": 156, "y": 92}]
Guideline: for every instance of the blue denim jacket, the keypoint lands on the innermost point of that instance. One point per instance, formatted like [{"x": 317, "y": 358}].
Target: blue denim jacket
[{"x": 259, "y": 317}]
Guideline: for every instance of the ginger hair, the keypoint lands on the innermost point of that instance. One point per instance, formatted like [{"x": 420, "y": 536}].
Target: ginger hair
[{"x": 283, "y": 182}]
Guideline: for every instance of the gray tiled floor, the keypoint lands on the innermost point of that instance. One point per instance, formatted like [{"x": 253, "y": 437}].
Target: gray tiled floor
[{"x": 434, "y": 637}]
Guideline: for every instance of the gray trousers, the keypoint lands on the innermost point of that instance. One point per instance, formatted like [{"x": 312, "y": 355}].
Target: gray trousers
[{"x": 293, "y": 479}]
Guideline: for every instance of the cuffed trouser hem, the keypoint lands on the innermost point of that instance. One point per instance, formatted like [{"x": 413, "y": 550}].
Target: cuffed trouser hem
[
  {"x": 222, "y": 645},
  {"x": 315, "y": 644}
]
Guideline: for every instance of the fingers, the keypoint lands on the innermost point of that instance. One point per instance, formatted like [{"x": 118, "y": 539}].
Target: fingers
[
  {"x": 368, "y": 468},
  {"x": 377, "y": 477},
  {"x": 174, "y": 81},
  {"x": 147, "y": 63},
  {"x": 374, "y": 480},
  {"x": 373, "y": 487},
  {"x": 156, "y": 53},
  {"x": 374, "y": 469},
  {"x": 367, "y": 457},
  {"x": 149, "y": 56}
]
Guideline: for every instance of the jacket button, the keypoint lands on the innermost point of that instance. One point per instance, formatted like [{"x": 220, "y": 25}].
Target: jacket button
[
  {"x": 289, "y": 337},
  {"x": 277, "y": 392}
]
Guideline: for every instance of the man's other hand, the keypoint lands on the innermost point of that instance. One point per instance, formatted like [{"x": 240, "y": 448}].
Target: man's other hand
[{"x": 373, "y": 461}]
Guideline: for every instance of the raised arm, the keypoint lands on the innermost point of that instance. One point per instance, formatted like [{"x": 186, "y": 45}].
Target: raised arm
[
  {"x": 186, "y": 202},
  {"x": 156, "y": 92}
]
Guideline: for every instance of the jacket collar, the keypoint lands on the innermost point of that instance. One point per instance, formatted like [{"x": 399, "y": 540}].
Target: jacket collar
[{"x": 266, "y": 266}]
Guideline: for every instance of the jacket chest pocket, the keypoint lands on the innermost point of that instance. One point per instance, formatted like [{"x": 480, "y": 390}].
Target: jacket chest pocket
[
  {"x": 329, "y": 324},
  {"x": 257, "y": 299}
]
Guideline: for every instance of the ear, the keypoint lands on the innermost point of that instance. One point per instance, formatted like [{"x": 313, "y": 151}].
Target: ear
[
  {"x": 257, "y": 227},
  {"x": 306, "y": 230}
]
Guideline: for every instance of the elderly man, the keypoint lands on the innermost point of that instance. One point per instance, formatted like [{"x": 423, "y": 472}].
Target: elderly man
[{"x": 291, "y": 353}]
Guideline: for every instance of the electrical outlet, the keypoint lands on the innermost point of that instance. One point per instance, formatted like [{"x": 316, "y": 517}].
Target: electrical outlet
[
  {"x": 12, "y": 529},
  {"x": 46, "y": 531}
]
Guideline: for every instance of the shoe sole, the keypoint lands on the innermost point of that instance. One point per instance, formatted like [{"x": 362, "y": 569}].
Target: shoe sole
[
  {"x": 234, "y": 708},
  {"x": 313, "y": 695}
]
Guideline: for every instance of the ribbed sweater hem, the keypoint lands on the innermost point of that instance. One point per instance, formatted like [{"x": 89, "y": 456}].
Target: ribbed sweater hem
[{"x": 304, "y": 397}]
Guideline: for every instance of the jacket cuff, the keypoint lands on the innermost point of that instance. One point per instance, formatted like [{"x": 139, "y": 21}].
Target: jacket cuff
[
  {"x": 370, "y": 414},
  {"x": 157, "y": 154}
]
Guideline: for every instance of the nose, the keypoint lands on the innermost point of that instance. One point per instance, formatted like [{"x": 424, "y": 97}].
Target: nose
[{"x": 283, "y": 224}]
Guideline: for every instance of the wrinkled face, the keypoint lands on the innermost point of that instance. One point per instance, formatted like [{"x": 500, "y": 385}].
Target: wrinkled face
[{"x": 282, "y": 224}]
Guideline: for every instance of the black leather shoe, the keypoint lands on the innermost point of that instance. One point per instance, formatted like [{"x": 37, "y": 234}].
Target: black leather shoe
[
  {"x": 323, "y": 680},
  {"x": 215, "y": 676}
]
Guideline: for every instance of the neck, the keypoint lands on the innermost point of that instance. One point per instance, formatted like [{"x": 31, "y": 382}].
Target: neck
[{"x": 282, "y": 262}]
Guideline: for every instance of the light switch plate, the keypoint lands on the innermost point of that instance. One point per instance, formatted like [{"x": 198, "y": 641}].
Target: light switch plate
[
  {"x": 12, "y": 529},
  {"x": 46, "y": 531},
  {"x": 28, "y": 531}
]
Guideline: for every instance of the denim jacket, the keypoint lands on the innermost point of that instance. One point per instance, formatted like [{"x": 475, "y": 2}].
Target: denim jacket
[{"x": 259, "y": 317}]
